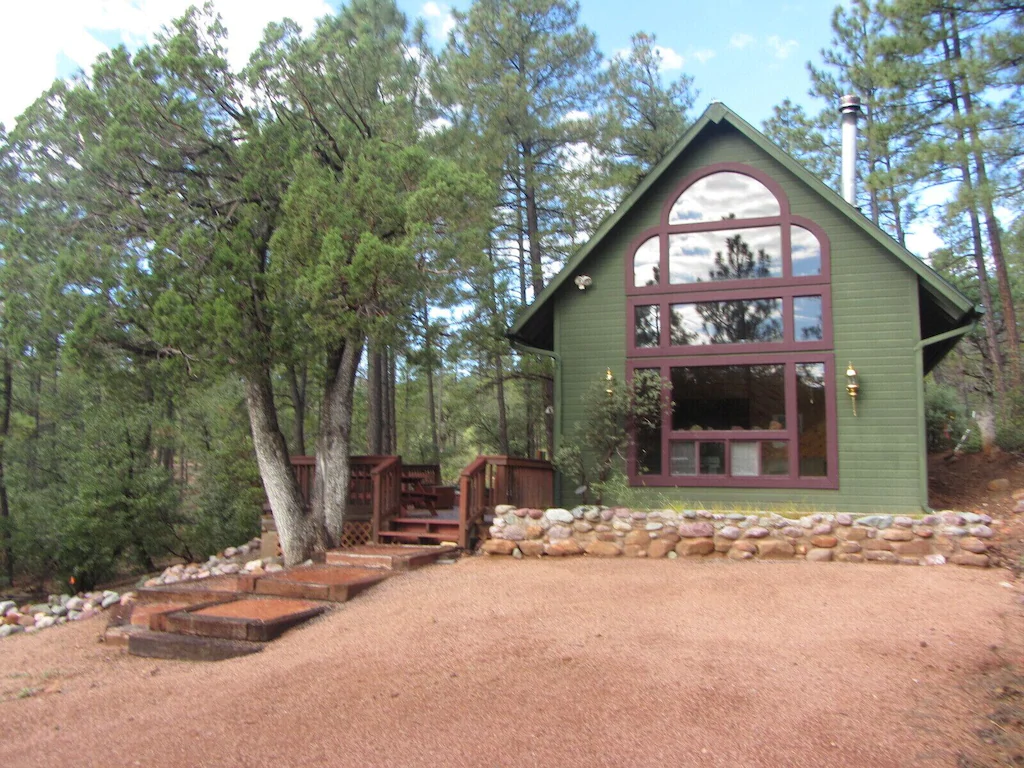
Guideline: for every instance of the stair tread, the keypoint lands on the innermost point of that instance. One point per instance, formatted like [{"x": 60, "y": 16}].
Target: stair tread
[
  {"x": 425, "y": 520},
  {"x": 416, "y": 534}
]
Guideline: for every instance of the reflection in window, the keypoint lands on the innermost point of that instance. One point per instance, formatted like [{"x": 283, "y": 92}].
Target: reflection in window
[
  {"x": 738, "y": 254},
  {"x": 810, "y": 402},
  {"x": 732, "y": 397},
  {"x": 647, "y": 325},
  {"x": 774, "y": 457},
  {"x": 725, "y": 195},
  {"x": 712, "y": 458},
  {"x": 807, "y": 322},
  {"x": 805, "y": 251},
  {"x": 647, "y": 385},
  {"x": 645, "y": 263},
  {"x": 683, "y": 459},
  {"x": 726, "y": 322}
]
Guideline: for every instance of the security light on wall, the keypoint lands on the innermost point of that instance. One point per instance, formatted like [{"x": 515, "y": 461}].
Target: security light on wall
[{"x": 584, "y": 281}]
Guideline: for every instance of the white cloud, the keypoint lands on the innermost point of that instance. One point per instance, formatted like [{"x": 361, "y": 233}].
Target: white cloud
[
  {"x": 741, "y": 40},
  {"x": 704, "y": 55},
  {"x": 35, "y": 36},
  {"x": 781, "y": 48},
  {"x": 577, "y": 114},
  {"x": 669, "y": 59},
  {"x": 922, "y": 240},
  {"x": 439, "y": 19}
]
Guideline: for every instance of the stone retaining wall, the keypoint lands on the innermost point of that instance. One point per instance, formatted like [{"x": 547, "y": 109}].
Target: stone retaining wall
[{"x": 935, "y": 539}]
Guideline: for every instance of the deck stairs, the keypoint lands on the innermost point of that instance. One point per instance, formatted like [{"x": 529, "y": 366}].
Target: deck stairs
[{"x": 222, "y": 617}]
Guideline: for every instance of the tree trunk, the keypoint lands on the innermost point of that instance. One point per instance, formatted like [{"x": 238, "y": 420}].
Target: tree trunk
[
  {"x": 297, "y": 386},
  {"x": 391, "y": 423},
  {"x": 499, "y": 379},
  {"x": 5, "y": 509},
  {"x": 375, "y": 402},
  {"x": 995, "y": 238},
  {"x": 537, "y": 274},
  {"x": 976, "y": 238},
  {"x": 333, "y": 472},
  {"x": 297, "y": 530}
]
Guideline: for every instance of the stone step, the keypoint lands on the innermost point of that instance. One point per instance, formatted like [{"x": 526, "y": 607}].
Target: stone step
[
  {"x": 254, "y": 619},
  {"x": 335, "y": 583},
  {"x": 394, "y": 557},
  {"x": 165, "y": 645}
]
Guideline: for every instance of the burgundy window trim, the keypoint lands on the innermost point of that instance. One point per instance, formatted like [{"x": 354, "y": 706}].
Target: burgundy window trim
[
  {"x": 788, "y": 343},
  {"x": 788, "y": 352},
  {"x": 790, "y": 435}
]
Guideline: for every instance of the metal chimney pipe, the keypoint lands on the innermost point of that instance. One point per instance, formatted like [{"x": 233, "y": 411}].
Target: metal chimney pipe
[{"x": 850, "y": 109}]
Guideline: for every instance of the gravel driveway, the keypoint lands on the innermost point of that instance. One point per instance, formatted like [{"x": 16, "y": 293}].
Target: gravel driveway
[{"x": 575, "y": 662}]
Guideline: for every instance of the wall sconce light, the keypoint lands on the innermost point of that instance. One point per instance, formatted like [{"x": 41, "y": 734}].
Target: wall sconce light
[
  {"x": 583, "y": 282},
  {"x": 852, "y": 386},
  {"x": 609, "y": 378}
]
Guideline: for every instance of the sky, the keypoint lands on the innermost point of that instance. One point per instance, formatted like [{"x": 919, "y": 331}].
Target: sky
[{"x": 749, "y": 54}]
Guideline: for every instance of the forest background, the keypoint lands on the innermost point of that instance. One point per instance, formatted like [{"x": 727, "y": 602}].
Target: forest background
[{"x": 204, "y": 270}]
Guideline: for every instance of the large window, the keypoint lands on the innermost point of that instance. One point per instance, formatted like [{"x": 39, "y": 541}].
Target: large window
[{"x": 730, "y": 306}]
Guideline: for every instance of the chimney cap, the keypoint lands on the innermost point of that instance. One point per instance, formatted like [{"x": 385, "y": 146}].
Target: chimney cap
[{"x": 850, "y": 103}]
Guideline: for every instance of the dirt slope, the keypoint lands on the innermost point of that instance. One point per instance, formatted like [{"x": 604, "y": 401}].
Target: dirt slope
[{"x": 569, "y": 663}]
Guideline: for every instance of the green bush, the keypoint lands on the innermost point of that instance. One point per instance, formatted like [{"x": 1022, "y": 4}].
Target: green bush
[
  {"x": 945, "y": 419},
  {"x": 1010, "y": 424}
]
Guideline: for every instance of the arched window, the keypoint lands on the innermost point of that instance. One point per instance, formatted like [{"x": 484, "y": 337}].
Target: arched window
[{"x": 730, "y": 307}]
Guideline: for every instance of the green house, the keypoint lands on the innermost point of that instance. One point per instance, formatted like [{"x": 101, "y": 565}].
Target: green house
[{"x": 749, "y": 288}]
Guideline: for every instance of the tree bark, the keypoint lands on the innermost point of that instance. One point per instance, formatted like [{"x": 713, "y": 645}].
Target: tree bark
[
  {"x": 333, "y": 471},
  {"x": 5, "y": 509},
  {"x": 297, "y": 386},
  {"x": 390, "y": 422},
  {"x": 375, "y": 403},
  {"x": 995, "y": 238},
  {"x": 297, "y": 529},
  {"x": 976, "y": 238},
  {"x": 499, "y": 379}
]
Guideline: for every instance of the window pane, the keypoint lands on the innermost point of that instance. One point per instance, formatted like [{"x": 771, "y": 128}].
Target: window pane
[
  {"x": 731, "y": 254},
  {"x": 683, "y": 459},
  {"x": 712, "y": 458},
  {"x": 648, "y": 424},
  {"x": 647, "y": 326},
  {"x": 725, "y": 195},
  {"x": 726, "y": 322},
  {"x": 645, "y": 263},
  {"x": 728, "y": 397},
  {"x": 807, "y": 321},
  {"x": 743, "y": 459},
  {"x": 805, "y": 251},
  {"x": 813, "y": 426},
  {"x": 774, "y": 457}
]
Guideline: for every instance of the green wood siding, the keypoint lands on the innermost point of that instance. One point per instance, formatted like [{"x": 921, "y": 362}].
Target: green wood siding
[{"x": 875, "y": 320}]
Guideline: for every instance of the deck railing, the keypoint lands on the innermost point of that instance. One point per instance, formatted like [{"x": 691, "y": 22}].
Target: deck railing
[
  {"x": 492, "y": 480},
  {"x": 374, "y": 491},
  {"x": 386, "y": 478}
]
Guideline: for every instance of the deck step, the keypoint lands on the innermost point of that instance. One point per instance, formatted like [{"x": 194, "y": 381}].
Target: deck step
[
  {"x": 335, "y": 582},
  {"x": 253, "y": 619},
  {"x": 393, "y": 557},
  {"x": 197, "y": 591},
  {"x": 443, "y": 522},
  {"x": 408, "y": 535},
  {"x": 164, "y": 645}
]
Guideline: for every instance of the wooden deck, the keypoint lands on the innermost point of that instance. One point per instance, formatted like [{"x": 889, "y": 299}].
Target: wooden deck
[{"x": 405, "y": 504}]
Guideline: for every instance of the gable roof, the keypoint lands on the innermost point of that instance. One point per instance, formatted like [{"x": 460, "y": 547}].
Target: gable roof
[{"x": 534, "y": 325}]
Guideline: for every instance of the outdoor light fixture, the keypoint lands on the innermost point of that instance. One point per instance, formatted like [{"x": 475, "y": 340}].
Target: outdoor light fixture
[
  {"x": 609, "y": 378},
  {"x": 852, "y": 386},
  {"x": 584, "y": 281}
]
